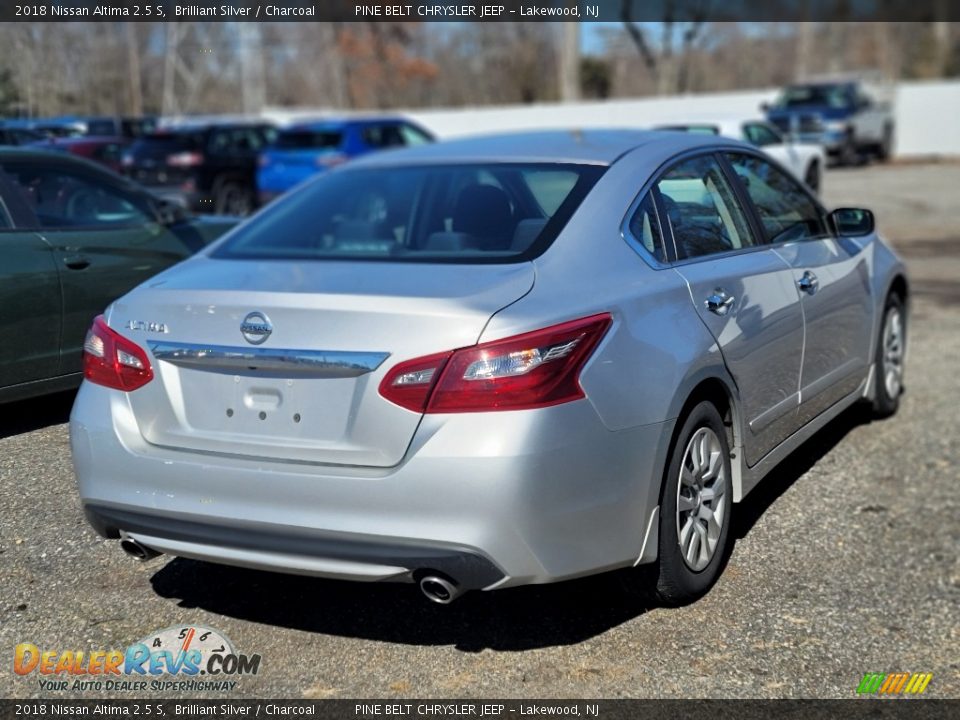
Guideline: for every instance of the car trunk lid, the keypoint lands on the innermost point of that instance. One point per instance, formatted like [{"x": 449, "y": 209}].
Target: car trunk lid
[{"x": 282, "y": 360}]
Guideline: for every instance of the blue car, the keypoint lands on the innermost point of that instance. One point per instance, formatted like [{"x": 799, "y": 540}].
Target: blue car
[{"x": 306, "y": 149}]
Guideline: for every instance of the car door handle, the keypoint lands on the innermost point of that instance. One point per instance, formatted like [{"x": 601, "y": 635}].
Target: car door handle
[
  {"x": 76, "y": 262},
  {"x": 719, "y": 303},
  {"x": 808, "y": 283}
]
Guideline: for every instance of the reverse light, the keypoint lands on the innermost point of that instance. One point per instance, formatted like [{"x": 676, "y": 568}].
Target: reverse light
[
  {"x": 185, "y": 159},
  {"x": 535, "y": 369},
  {"x": 109, "y": 359}
]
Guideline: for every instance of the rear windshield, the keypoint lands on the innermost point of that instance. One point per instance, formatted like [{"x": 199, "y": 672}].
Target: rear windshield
[
  {"x": 308, "y": 139},
  {"x": 483, "y": 213},
  {"x": 694, "y": 129}
]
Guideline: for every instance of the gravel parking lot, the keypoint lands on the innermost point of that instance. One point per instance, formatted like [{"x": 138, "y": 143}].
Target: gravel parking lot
[{"x": 846, "y": 559}]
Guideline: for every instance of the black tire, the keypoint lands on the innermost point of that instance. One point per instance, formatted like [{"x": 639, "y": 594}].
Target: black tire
[
  {"x": 677, "y": 582},
  {"x": 849, "y": 152},
  {"x": 233, "y": 198},
  {"x": 885, "y": 402},
  {"x": 885, "y": 148},
  {"x": 812, "y": 177}
]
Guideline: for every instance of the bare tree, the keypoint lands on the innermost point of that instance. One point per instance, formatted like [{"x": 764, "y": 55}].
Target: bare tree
[
  {"x": 569, "y": 62},
  {"x": 670, "y": 71}
]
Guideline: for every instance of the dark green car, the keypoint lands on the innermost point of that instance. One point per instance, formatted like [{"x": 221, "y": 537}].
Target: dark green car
[{"x": 73, "y": 238}]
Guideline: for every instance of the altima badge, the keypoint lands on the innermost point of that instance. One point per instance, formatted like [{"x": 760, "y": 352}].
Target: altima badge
[{"x": 256, "y": 328}]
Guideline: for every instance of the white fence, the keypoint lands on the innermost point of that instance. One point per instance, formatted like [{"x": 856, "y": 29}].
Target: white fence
[{"x": 927, "y": 115}]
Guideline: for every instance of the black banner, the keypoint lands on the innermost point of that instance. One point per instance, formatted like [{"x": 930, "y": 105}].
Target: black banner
[
  {"x": 472, "y": 11},
  {"x": 406, "y": 709}
]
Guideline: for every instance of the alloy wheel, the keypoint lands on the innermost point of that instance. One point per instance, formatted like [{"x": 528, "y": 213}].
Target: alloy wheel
[
  {"x": 701, "y": 506},
  {"x": 893, "y": 349}
]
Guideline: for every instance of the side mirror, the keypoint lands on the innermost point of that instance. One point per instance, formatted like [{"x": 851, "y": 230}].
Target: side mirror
[
  {"x": 852, "y": 222},
  {"x": 765, "y": 106}
]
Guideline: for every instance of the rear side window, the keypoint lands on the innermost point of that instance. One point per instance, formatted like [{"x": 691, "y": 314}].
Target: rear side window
[
  {"x": 786, "y": 211},
  {"x": 476, "y": 213},
  {"x": 701, "y": 210},
  {"x": 645, "y": 228},
  {"x": 413, "y": 136},
  {"x": 308, "y": 140}
]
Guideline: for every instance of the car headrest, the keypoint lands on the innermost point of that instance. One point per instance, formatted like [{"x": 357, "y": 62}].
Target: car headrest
[
  {"x": 484, "y": 211},
  {"x": 450, "y": 241}
]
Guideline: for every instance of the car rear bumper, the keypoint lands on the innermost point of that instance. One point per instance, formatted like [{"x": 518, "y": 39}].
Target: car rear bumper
[{"x": 488, "y": 499}]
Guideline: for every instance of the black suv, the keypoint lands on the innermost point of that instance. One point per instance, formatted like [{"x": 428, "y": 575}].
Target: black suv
[{"x": 207, "y": 168}]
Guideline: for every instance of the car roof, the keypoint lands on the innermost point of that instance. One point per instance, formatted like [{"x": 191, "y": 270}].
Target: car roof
[
  {"x": 590, "y": 147},
  {"x": 341, "y": 122}
]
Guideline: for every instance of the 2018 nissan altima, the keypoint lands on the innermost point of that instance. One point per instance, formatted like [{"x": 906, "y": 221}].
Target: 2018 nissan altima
[{"x": 487, "y": 363}]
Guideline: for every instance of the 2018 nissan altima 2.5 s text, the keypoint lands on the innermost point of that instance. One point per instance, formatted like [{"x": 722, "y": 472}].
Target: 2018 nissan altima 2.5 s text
[{"x": 490, "y": 362}]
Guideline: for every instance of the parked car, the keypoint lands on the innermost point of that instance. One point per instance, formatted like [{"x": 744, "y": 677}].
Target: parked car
[
  {"x": 206, "y": 168},
  {"x": 305, "y": 149},
  {"x": 489, "y": 362},
  {"x": 73, "y": 238},
  {"x": 107, "y": 151},
  {"x": 845, "y": 117},
  {"x": 805, "y": 160},
  {"x": 126, "y": 127}
]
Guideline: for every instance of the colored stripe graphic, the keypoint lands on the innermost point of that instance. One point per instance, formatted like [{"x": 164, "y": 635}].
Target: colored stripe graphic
[{"x": 894, "y": 683}]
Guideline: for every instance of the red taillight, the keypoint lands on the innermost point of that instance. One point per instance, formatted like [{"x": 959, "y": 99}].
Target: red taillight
[
  {"x": 111, "y": 360},
  {"x": 409, "y": 383},
  {"x": 185, "y": 159},
  {"x": 536, "y": 369}
]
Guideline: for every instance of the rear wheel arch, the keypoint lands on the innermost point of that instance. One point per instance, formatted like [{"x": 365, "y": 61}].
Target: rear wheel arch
[{"x": 719, "y": 390}]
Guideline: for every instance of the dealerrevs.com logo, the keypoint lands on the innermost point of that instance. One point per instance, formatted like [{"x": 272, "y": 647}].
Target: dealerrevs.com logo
[{"x": 180, "y": 658}]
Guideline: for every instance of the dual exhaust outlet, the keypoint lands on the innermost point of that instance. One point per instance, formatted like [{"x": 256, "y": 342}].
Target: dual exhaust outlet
[{"x": 435, "y": 588}]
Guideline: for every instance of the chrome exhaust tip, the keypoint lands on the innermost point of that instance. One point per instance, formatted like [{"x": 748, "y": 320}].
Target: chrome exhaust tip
[
  {"x": 136, "y": 550},
  {"x": 439, "y": 590}
]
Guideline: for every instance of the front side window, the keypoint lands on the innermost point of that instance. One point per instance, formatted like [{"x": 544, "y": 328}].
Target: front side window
[
  {"x": 382, "y": 136},
  {"x": 61, "y": 198},
  {"x": 786, "y": 211},
  {"x": 475, "y": 213},
  {"x": 702, "y": 210}
]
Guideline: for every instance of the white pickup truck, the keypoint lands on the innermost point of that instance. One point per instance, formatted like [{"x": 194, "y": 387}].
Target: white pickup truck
[{"x": 850, "y": 118}]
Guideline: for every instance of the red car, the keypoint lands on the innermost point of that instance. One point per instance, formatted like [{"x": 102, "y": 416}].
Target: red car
[{"x": 104, "y": 150}]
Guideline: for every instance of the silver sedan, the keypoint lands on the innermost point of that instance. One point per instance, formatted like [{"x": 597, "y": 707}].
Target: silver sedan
[{"x": 491, "y": 362}]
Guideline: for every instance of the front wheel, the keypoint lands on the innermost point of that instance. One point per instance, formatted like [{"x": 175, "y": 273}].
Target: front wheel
[
  {"x": 889, "y": 358},
  {"x": 695, "y": 510}
]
